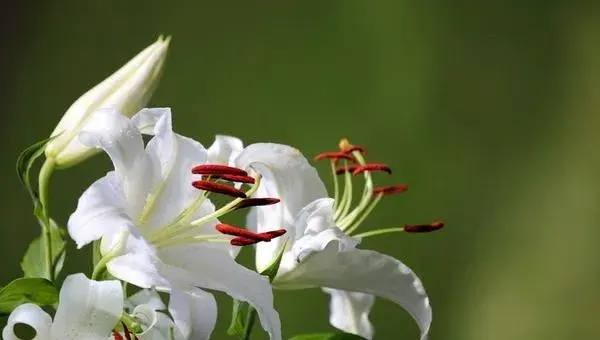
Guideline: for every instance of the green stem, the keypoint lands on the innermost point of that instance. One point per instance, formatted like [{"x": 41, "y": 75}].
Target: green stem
[
  {"x": 44, "y": 186},
  {"x": 250, "y": 320}
]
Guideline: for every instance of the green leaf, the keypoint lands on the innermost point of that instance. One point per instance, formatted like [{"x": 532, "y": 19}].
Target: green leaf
[
  {"x": 328, "y": 336},
  {"x": 33, "y": 263},
  {"x": 24, "y": 163},
  {"x": 241, "y": 310},
  {"x": 238, "y": 318},
  {"x": 23, "y": 290}
]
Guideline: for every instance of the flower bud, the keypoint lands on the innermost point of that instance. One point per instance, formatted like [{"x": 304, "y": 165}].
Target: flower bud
[{"x": 127, "y": 90}]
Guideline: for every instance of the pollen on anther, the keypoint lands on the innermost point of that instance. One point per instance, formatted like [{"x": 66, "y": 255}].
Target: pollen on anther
[
  {"x": 390, "y": 190},
  {"x": 274, "y": 233},
  {"x": 245, "y": 241},
  {"x": 353, "y": 148},
  {"x": 234, "y": 178},
  {"x": 219, "y": 188},
  {"x": 343, "y": 169},
  {"x": 239, "y": 232},
  {"x": 372, "y": 167},
  {"x": 242, "y": 241},
  {"x": 334, "y": 155},
  {"x": 259, "y": 201},
  {"x": 424, "y": 228},
  {"x": 217, "y": 169}
]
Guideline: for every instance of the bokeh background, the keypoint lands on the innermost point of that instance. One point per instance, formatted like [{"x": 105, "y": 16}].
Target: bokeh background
[{"x": 489, "y": 110}]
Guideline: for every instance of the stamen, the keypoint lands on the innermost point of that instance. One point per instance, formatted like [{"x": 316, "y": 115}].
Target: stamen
[
  {"x": 234, "y": 178},
  {"x": 117, "y": 335},
  {"x": 254, "y": 202},
  {"x": 346, "y": 201},
  {"x": 243, "y": 241},
  {"x": 126, "y": 331},
  {"x": 424, "y": 228},
  {"x": 390, "y": 190},
  {"x": 217, "y": 169},
  {"x": 335, "y": 155},
  {"x": 372, "y": 167},
  {"x": 165, "y": 235},
  {"x": 239, "y": 232},
  {"x": 274, "y": 233},
  {"x": 219, "y": 188},
  {"x": 346, "y": 168},
  {"x": 353, "y": 148}
]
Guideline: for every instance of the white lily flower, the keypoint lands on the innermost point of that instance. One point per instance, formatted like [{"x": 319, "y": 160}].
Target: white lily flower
[
  {"x": 321, "y": 246},
  {"x": 127, "y": 90},
  {"x": 194, "y": 315},
  {"x": 157, "y": 230},
  {"x": 87, "y": 309}
]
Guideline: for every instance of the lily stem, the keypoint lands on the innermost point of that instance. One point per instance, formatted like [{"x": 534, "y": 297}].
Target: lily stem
[
  {"x": 250, "y": 320},
  {"x": 43, "y": 187}
]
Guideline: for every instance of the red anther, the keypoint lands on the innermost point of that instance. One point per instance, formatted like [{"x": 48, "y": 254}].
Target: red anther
[
  {"x": 217, "y": 169},
  {"x": 126, "y": 331},
  {"x": 219, "y": 188},
  {"x": 117, "y": 335},
  {"x": 254, "y": 202},
  {"x": 390, "y": 190},
  {"x": 234, "y": 178},
  {"x": 242, "y": 241},
  {"x": 243, "y": 233},
  {"x": 335, "y": 155},
  {"x": 424, "y": 228},
  {"x": 372, "y": 167},
  {"x": 353, "y": 148},
  {"x": 343, "y": 169},
  {"x": 274, "y": 233}
]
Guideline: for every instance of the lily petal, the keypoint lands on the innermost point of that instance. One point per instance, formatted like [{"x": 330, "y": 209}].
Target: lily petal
[
  {"x": 315, "y": 217},
  {"x": 217, "y": 270},
  {"x": 88, "y": 309},
  {"x": 364, "y": 271},
  {"x": 147, "y": 297},
  {"x": 286, "y": 175},
  {"x": 194, "y": 313},
  {"x": 100, "y": 211},
  {"x": 224, "y": 150},
  {"x": 140, "y": 268},
  {"x": 122, "y": 141},
  {"x": 349, "y": 312},
  {"x": 31, "y": 315},
  {"x": 172, "y": 156}
]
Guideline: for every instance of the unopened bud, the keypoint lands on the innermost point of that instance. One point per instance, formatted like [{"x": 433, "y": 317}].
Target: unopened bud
[{"x": 127, "y": 90}]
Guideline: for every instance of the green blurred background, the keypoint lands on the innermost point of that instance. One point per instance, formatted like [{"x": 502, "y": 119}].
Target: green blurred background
[{"x": 489, "y": 110}]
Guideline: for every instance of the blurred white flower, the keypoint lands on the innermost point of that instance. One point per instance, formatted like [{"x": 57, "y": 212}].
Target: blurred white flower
[
  {"x": 320, "y": 250},
  {"x": 171, "y": 242},
  {"x": 127, "y": 90},
  {"x": 195, "y": 308},
  {"x": 87, "y": 309}
]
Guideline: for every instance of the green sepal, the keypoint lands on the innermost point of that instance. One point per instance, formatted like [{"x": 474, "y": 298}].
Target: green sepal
[
  {"x": 328, "y": 336},
  {"x": 33, "y": 290},
  {"x": 25, "y": 162},
  {"x": 33, "y": 263}
]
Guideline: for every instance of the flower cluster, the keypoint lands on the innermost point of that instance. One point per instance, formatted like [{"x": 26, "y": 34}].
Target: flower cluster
[{"x": 161, "y": 245}]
